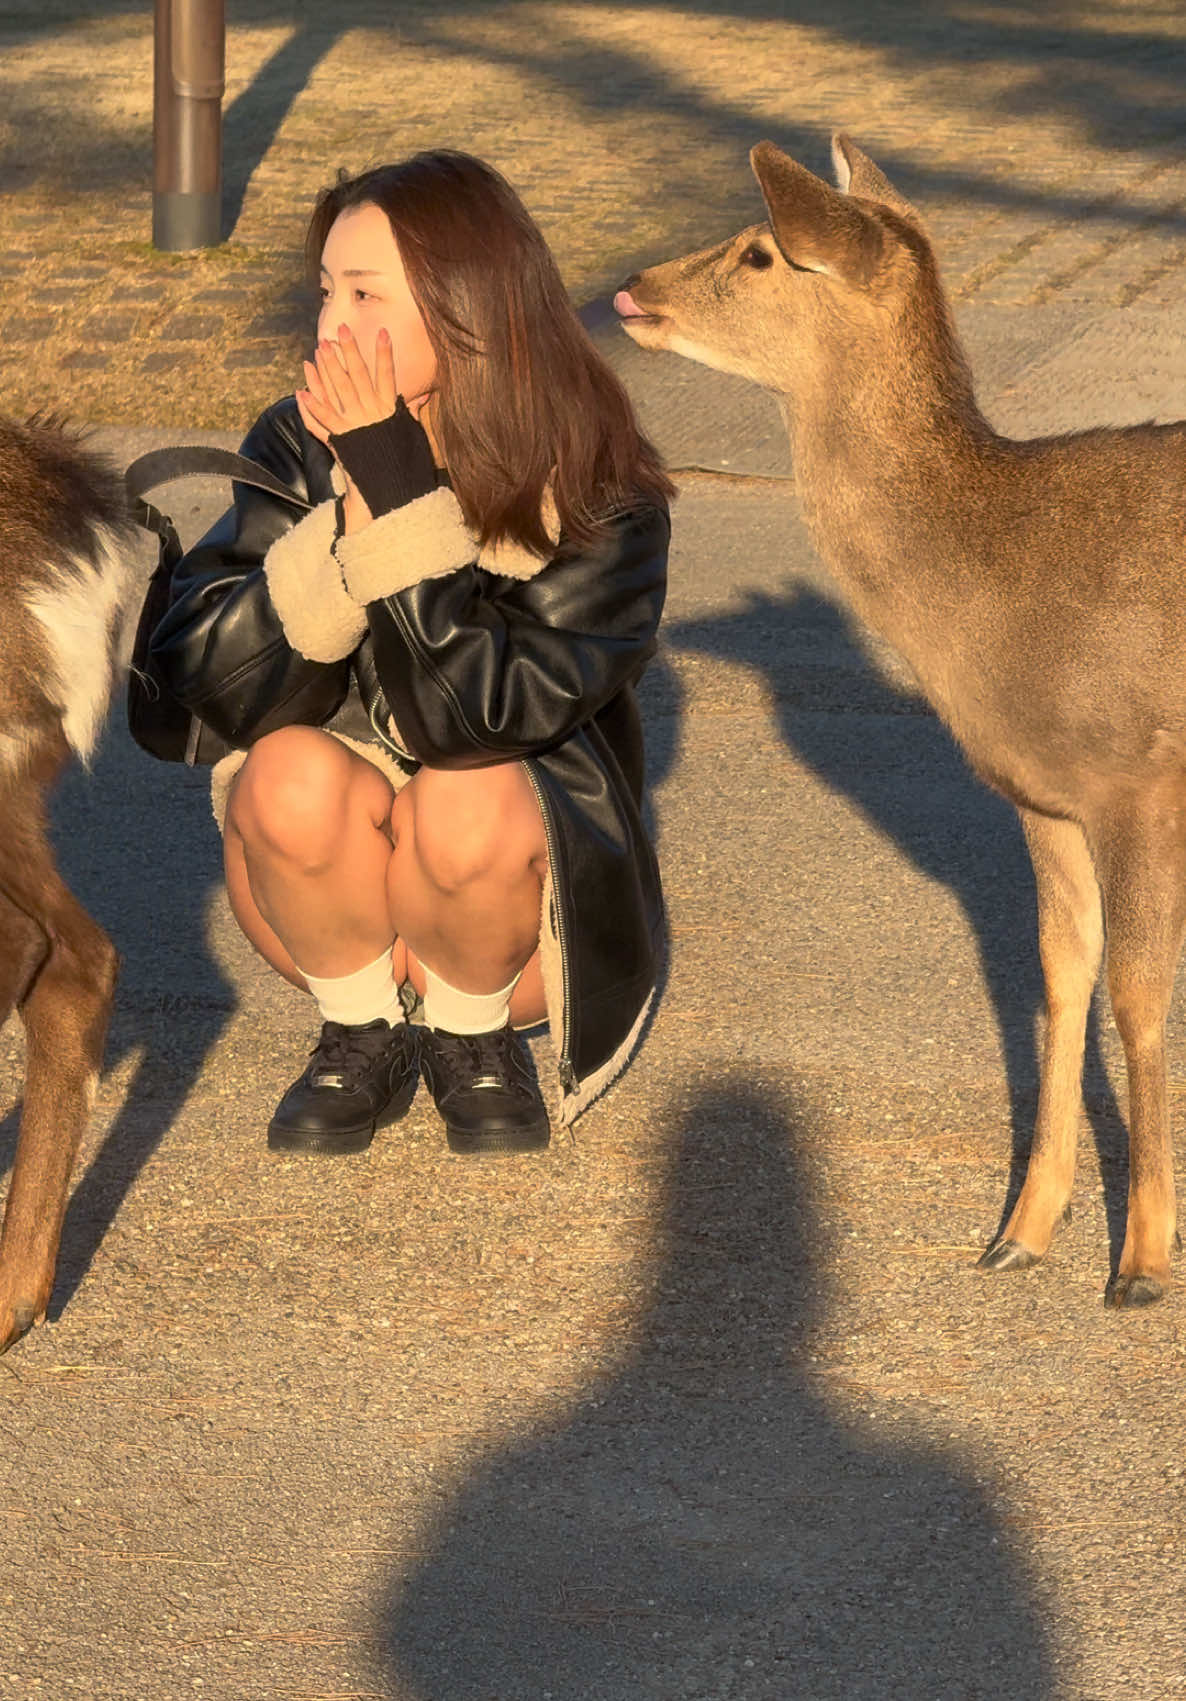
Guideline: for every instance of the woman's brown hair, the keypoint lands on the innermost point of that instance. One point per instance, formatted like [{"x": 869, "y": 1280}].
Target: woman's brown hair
[{"x": 523, "y": 402}]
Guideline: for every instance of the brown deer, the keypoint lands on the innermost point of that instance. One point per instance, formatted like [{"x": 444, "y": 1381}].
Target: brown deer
[
  {"x": 66, "y": 582},
  {"x": 1036, "y": 588}
]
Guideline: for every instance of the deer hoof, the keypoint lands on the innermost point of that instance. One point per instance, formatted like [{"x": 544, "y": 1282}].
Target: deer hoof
[
  {"x": 21, "y": 1320},
  {"x": 1132, "y": 1291},
  {"x": 1007, "y": 1255}
]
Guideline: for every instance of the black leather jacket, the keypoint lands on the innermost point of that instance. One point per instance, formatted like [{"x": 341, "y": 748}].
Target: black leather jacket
[{"x": 475, "y": 668}]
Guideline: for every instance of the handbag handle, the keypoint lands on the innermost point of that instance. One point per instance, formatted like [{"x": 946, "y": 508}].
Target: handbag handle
[
  {"x": 195, "y": 460},
  {"x": 176, "y": 734},
  {"x": 202, "y": 460}
]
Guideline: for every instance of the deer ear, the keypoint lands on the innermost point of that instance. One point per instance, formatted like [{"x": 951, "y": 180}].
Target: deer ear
[
  {"x": 857, "y": 175},
  {"x": 815, "y": 225}
]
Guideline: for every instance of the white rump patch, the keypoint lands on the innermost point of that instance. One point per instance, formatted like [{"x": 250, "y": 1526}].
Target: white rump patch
[{"x": 82, "y": 614}]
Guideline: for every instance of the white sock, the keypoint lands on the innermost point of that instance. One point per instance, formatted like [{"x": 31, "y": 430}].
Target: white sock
[
  {"x": 465, "y": 1012},
  {"x": 360, "y": 997}
]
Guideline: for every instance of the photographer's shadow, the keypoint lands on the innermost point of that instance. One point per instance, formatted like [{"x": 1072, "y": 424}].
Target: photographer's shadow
[{"x": 707, "y": 1521}]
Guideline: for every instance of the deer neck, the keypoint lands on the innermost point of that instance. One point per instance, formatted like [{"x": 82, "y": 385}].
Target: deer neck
[{"x": 889, "y": 452}]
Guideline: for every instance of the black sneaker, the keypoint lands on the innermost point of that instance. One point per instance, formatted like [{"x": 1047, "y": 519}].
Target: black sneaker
[
  {"x": 485, "y": 1089},
  {"x": 358, "y": 1079}
]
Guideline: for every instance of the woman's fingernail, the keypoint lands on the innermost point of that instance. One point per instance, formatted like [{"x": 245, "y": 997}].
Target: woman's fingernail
[{"x": 344, "y": 333}]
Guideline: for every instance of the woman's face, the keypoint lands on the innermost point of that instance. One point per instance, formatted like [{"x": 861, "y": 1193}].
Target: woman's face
[{"x": 364, "y": 286}]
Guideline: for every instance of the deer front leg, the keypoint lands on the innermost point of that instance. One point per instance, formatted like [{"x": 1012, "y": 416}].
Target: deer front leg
[
  {"x": 1144, "y": 875},
  {"x": 1070, "y": 939},
  {"x": 65, "y": 1014}
]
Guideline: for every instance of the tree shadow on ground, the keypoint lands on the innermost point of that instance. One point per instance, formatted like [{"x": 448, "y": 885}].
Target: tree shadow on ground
[
  {"x": 252, "y": 121},
  {"x": 1121, "y": 87},
  {"x": 706, "y": 1521},
  {"x": 1118, "y": 86},
  {"x": 882, "y": 750}
]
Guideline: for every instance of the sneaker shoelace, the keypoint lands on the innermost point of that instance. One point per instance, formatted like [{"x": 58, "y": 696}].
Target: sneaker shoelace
[
  {"x": 347, "y": 1054},
  {"x": 487, "y": 1059}
]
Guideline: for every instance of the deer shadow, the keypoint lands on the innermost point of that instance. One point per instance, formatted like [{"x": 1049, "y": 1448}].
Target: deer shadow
[
  {"x": 884, "y": 751},
  {"x": 704, "y": 1521}
]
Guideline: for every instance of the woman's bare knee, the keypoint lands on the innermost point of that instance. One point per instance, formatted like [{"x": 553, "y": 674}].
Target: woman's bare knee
[
  {"x": 472, "y": 824},
  {"x": 293, "y": 795}
]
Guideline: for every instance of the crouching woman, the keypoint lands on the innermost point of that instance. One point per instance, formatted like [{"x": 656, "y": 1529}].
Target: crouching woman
[{"x": 428, "y": 679}]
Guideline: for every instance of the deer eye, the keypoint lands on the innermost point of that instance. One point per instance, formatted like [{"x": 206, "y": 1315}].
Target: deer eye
[{"x": 757, "y": 257}]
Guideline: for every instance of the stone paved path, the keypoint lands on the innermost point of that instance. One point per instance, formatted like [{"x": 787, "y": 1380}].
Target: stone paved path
[{"x": 1044, "y": 144}]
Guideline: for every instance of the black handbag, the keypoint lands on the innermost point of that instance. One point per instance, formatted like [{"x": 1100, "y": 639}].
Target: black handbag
[{"x": 157, "y": 721}]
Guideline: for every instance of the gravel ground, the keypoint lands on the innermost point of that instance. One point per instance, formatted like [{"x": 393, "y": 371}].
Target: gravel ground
[{"x": 707, "y": 1401}]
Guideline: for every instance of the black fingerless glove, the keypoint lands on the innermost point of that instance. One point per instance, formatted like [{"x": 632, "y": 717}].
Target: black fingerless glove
[{"x": 390, "y": 463}]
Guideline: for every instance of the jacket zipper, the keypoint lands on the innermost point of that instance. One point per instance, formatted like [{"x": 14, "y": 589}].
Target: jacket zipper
[
  {"x": 568, "y": 1079},
  {"x": 385, "y": 739},
  {"x": 192, "y": 740}
]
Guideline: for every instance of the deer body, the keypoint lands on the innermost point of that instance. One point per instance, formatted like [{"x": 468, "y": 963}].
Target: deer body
[
  {"x": 1013, "y": 629},
  {"x": 1037, "y": 589},
  {"x": 65, "y": 586}
]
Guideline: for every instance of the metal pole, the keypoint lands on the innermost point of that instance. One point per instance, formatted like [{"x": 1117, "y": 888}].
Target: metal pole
[{"x": 189, "y": 59}]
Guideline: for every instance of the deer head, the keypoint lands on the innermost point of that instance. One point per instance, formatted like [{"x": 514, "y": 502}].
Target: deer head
[{"x": 833, "y": 267}]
